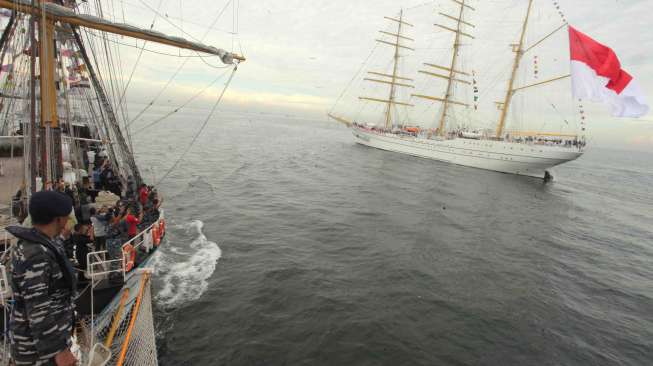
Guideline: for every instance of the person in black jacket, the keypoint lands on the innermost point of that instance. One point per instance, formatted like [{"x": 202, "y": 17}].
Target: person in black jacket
[
  {"x": 83, "y": 239},
  {"x": 43, "y": 281}
]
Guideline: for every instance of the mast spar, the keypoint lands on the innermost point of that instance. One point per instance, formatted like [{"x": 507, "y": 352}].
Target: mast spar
[
  {"x": 519, "y": 52},
  {"x": 452, "y": 70},
  {"x": 58, "y": 13},
  {"x": 388, "y": 116}
]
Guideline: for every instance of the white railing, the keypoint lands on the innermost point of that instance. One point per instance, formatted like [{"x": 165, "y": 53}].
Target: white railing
[
  {"x": 99, "y": 258},
  {"x": 99, "y": 267},
  {"x": 139, "y": 240}
]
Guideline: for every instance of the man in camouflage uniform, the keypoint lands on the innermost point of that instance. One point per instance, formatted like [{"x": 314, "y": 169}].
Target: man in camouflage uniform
[{"x": 43, "y": 282}]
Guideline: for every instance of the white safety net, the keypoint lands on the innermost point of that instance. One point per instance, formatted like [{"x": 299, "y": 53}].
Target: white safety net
[{"x": 137, "y": 340}]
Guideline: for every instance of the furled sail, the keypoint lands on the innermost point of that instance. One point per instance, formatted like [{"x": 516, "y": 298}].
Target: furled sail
[{"x": 66, "y": 15}]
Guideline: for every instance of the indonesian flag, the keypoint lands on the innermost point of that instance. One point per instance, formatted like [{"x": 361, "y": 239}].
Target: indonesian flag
[{"x": 596, "y": 74}]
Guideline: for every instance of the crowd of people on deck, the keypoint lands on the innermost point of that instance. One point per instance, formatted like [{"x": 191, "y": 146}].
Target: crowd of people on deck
[
  {"x": 464, "y": 133},
  {"x": 548, "y": 141},
  {"x": 108, "y": 227},
  {"x": 61, "y": 224},
  {"x": 101, "y": 171},
  {"x": 96, "y": 226}
]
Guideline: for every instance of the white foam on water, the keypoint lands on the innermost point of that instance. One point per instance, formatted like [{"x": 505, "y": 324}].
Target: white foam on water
[{"x": 184, "y": 272}]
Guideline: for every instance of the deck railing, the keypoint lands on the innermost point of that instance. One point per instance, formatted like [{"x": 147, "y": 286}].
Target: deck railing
[{"x": 99, "y": 266}]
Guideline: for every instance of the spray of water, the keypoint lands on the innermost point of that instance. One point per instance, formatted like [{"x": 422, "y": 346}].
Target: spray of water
[{"x": 184, "y": 271}]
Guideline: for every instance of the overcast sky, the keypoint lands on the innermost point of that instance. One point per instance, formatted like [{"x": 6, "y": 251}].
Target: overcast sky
[{"x": 301, "y": 54}]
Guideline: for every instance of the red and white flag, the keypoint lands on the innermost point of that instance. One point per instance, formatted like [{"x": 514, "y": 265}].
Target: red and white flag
[{"x": 596, "y": 74}]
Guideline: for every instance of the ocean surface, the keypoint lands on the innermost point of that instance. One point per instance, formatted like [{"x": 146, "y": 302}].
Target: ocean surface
[{"x": 289, "y": 244}]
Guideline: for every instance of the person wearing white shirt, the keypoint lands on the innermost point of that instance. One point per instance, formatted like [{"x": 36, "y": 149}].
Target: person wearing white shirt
[
  {"x": 100, "y": 227},
  {"x": 90, "y": 154}
]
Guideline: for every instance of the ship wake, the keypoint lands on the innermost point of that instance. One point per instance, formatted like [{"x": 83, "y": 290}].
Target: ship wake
[{"x": 183, "y": 270}]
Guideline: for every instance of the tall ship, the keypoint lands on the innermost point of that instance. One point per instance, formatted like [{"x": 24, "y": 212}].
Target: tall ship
[
  {"x": 64, "y": 126},
  {"x": 448, "y": 133}
]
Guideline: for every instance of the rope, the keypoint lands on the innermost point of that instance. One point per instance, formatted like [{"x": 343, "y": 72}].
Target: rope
[
  {"x": 206, "y": 121},
  {"x": 122, "y": 97},
  {"x": 172, "y": 78},
  {"x": 354, "y": 78},
  {"x": 178, "y": 108},
  {"x": 179, "y": 18},
  {"x": 175, "y": 25}
]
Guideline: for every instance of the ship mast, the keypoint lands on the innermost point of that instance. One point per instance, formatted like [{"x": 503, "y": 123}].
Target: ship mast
[
  {"x": 394, "y": 78},
  {"x": 48, "y": 12},
  {"x": 51, "y": 165},
  {"x": 32, "y": 126},
  {"x": 452, "y": 69},
  {"x": 388, "y": 115},
  {"x": 519, "y": 52}
]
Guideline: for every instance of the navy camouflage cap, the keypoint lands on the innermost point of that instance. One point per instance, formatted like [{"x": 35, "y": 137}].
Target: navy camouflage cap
[{"x": 44, "y": 206}]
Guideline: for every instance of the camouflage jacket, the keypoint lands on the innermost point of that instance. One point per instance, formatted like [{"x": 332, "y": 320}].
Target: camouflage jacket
[{"x": 43, "y": 282}]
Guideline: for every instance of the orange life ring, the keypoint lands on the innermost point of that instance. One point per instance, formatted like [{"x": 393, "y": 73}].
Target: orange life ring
[
  {"x": 156, "y": 239},
  {"x": 129, "y": 257},
  {"x": 162, "y": 227}
]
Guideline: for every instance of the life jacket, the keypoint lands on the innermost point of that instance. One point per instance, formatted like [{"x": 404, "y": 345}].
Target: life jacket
[
  {"x": 31, "y": 235},
  {"x": 129, "y": 257}
]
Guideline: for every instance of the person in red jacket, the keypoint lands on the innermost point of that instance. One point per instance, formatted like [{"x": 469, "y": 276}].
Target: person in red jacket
[
  {"x": 132, "y": 223},
  {"x": 143, "y": 194}
]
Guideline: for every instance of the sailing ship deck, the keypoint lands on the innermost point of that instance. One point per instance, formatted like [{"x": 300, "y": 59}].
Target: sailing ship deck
[{"x": 532, "y": 160}]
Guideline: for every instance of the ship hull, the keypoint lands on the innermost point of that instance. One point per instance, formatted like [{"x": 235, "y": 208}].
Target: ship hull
[{"x": 501, "y": 156}]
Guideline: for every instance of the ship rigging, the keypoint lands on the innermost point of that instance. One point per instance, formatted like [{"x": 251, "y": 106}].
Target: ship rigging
[
  {"x": 65, "y": 124},
  {"x": 452, "y": 139}
]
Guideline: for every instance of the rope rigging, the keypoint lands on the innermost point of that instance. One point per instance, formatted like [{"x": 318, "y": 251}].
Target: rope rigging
[
  {"x": 91, "y": 91},
  {"x": 199, "y": 132},
  {"x": 162, "y": 16},
  {"x": 172, "y": 78},
  {"x": 138, "y": 59},
  {"x": 190, "y": 100}
]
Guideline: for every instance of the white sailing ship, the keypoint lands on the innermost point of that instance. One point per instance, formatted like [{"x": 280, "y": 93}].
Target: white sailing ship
[{"x": 529, "y": 153}]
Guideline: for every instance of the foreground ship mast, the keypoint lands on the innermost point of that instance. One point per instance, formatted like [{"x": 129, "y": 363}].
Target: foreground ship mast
[
  {"x": 114, "y": 311},
  {"x": 48, "y": 13}
]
